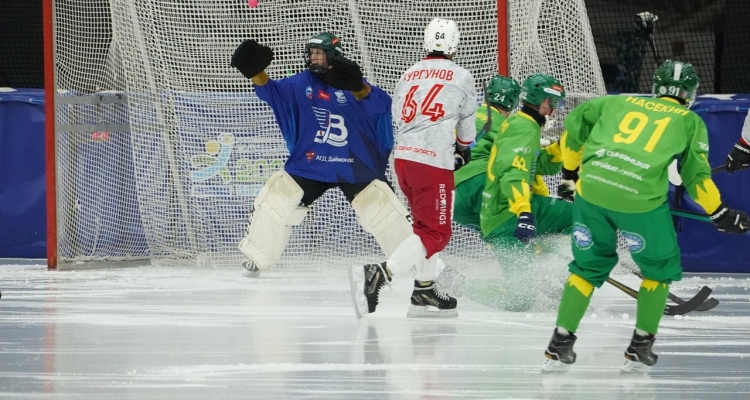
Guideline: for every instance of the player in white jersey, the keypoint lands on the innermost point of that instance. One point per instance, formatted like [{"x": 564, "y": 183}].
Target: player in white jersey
[
  {"x": 433, "y": 99},
  {"x": 739, "y": 158}
]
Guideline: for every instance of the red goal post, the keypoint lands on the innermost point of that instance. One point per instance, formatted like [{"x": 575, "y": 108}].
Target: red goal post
[{"x": 49, "y": 128}]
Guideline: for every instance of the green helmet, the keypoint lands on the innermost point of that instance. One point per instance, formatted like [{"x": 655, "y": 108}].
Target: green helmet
[
  {"x": 503, "y": 92},
  {"x": 326, "y": 41},
  {"x": 538, "y": 87},
  {"x": 676, "y": 79}
]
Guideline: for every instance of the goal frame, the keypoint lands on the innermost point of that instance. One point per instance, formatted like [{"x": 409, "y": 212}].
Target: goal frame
[
  {"x": 48, "y": 9},
  {"x": 50, "y": 158}
]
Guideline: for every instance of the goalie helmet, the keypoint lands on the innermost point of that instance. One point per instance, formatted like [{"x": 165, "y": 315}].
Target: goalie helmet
[
  {"x": 538, "y": 87},
  {"x": 441, "y": 37},
  {"x": 329, "y": 43},
  {"x": 676, "y": 79},
  {"x": 503, "y": 92}
]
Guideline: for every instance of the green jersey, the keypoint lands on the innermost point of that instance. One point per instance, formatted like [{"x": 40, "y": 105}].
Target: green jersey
[
  {"x": 480, "y": 153},
  {"x": 624, "y": 145},
  {"x": 516, "y": 159}
]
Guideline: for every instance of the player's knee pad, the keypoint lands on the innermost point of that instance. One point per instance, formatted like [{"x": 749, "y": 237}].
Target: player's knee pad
[
  {"x": 276, "y": 209},
  {"x": 381, "y": 214}
]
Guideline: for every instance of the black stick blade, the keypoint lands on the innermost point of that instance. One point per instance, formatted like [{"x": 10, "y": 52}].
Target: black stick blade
[{"x": 689, "y": 305}]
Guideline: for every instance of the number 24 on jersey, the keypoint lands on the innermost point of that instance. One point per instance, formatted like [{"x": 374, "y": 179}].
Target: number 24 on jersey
[{"x": 426, "y": 106}]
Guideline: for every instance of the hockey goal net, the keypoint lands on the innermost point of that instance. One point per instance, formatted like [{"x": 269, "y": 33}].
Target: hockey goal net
[{"x": 159, "y": 146}]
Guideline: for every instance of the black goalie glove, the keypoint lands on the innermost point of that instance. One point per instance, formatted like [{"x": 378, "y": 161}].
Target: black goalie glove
[
  {"x": 729, "y": 220},
  {"x": 567, "y": 187},
  {"x": 344, "y": 74},
  {"x": 461, "y": 156},
  {"x": 251, "y": 58},
  {"x": 739, "y": 158}
]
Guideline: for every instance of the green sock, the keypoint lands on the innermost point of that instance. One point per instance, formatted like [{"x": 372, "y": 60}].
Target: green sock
[
  {"x": 652, "y": 297},
  {"x": 575, "y": 300}
]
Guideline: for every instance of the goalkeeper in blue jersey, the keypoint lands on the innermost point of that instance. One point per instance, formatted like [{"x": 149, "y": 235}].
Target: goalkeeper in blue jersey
[{"x": 338, "y": 130}]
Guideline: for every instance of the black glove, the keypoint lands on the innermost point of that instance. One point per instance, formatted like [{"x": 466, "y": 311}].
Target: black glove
[
  {"x": 567, "y": 187},
  {"x": 344, "y": 74},
  {"x": 739, "y": 158},
  {"x": 729, "y": 220},
  {"x": 251, "y": 58},
  {"x": 525, "y": 230},
  {"x": 461, "y": 156}
]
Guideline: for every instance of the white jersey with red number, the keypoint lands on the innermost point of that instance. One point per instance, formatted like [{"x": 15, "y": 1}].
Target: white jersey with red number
[{"x": 432, "y": 99}]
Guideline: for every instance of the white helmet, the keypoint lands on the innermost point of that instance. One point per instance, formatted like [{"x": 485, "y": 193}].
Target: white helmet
[{"x": 441, "y": 36}]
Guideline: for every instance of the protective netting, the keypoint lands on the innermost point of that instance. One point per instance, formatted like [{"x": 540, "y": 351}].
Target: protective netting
[{"x": 162, "y": 146}]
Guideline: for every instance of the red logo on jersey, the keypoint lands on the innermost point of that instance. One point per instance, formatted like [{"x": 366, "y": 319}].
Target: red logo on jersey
[
  {"x": 310, "y": 155},
  {"x": 323, "y": 95},
  {"x": 428, "y": 106}
]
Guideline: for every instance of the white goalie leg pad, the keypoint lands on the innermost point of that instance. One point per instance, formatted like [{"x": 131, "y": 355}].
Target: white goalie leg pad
[
  {"x": 275, "y": 211},
  {"x": 381, "y": 214}
]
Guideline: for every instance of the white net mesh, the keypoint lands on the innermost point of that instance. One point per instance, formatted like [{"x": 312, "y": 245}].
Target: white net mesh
[{"x": 162, "y": 146}]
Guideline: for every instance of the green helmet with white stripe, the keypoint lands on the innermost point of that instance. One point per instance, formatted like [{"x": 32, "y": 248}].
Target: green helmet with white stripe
[
  {"x": 503, "y": 92},
  {"x": 676, "y": 79},
  {"x": 538, "y": 87}
]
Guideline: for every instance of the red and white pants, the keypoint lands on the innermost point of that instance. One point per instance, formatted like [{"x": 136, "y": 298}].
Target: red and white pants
[{"x": 429, "y": 191}]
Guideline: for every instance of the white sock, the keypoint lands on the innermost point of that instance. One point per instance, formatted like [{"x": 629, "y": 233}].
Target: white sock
[
  {"x": 407, "y": 255},
  {"x": 562, "y": 331},
  {"x": 426, "y": 268},
  {"x": 641, "y": 332}
]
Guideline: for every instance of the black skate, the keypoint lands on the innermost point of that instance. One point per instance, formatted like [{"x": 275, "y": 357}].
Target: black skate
[
  {"x": 639, "y": 357},
  {"x": 428, "y": 302},
  {"x": 366, "y": 283},
  {"x": 559, "y": 353},
  {"x": 251, "y": 270}
]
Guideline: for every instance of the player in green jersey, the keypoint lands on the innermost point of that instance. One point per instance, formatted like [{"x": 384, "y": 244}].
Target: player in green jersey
[
  {"x": 501, "y": 96},
  {"x": 616, "y": 150},
  {"x": 515, "y": 201}
]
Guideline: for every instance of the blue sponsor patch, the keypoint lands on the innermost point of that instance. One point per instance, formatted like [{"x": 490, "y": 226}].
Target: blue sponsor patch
[
  {"x": 634, "y": 241},
  {"x": 582, "y": 236}
]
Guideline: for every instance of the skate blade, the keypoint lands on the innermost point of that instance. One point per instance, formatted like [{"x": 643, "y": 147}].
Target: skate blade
[
  {"x": 250, "y": 274},
  {"x": 430, "y": 312},
  {"x": 357, "y": 287},
  {"x": 551, "y": 365},
  {"x": 635, "y": 367}
]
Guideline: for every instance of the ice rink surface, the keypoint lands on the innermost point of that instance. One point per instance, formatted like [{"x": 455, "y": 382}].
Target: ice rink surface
[{"x": 189, "y": 333}]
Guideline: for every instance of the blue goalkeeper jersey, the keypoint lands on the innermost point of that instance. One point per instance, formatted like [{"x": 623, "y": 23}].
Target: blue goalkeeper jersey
[{"x": 331, "y": 137}]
